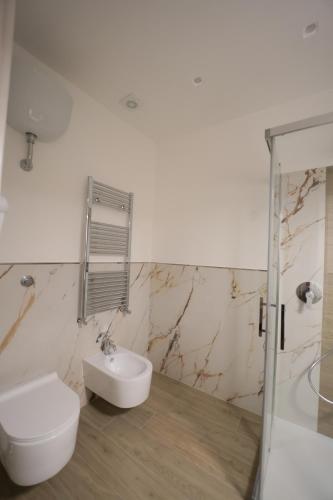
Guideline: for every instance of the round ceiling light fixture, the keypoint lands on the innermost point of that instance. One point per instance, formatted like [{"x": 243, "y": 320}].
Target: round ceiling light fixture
[
  {"x": 197, "y": 80},
  {"x": 310, "y": 29},
  {"x": 131, "y": 102}
]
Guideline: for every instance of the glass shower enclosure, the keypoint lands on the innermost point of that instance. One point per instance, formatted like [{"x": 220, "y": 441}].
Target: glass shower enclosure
[{"x": 297, "y": 437}]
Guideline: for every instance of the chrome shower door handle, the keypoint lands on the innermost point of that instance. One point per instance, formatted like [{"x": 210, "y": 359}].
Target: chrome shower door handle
[
  {"x": 261, "y": 330},
  {"x": 282, "y": 337}
]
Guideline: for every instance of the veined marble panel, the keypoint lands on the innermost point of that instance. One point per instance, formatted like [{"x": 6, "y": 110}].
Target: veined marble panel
[
  {"x": 204, "y": 330},
  {"x": 302, "y": 247},
  {"x": 198, "y": 325},
  {"x": 38, "y": 325}
]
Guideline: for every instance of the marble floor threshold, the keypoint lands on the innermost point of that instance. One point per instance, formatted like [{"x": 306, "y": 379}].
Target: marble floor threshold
[{"x": 181, "y": 444}]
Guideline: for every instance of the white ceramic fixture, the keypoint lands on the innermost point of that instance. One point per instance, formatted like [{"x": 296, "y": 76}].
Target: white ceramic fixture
[
  {"x": 38, "y": 102},
  {"x": 38, "y": 426},
  {"x": 122, "y": 378}
]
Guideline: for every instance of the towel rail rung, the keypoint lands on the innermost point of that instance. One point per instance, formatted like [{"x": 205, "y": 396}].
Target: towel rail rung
[
  {"x": 99, "y": 274},
  {"x": 105, "y": 186}
]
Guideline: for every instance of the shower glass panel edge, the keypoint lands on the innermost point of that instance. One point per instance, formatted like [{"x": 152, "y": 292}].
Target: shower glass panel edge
[{"x": 272, "y": 310}]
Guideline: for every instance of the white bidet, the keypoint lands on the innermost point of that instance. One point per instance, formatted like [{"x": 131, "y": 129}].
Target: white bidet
[{"x": 122, "y": 378}]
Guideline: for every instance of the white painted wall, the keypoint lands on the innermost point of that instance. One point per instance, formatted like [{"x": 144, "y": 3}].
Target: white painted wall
[
  {"x": 44, "y": 222},
  {"x": 212, "y": 188},
  {"x": 7, "y": 10}
]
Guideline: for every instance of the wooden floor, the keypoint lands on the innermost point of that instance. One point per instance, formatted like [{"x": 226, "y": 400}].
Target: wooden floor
[{"x": 180, "y": 444}]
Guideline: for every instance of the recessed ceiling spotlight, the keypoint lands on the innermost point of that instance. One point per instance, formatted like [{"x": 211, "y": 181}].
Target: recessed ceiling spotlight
[
  {"x": 197, "y": 80},
  {"x": 131, "y": 102},
  {"x": 310, "y": 29}
]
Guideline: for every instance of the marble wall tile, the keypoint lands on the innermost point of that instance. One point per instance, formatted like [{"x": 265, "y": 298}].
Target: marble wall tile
[
  {"x": 38, "y": 325},
  {"x": 302, "y": 247},
  {"x": 198, "y": 325},
  {"x": 204, "y": 330}
]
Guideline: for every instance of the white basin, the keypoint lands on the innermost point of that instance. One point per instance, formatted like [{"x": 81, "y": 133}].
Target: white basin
[{"x": 122, "y": 378}]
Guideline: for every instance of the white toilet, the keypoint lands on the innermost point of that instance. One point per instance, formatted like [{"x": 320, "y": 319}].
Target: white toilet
[
  {"x": 122, "y": 378},
  {"x": 38, "y": 427}
]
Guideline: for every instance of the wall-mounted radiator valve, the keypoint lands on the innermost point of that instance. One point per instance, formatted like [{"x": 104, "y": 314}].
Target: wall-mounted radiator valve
[{"x": 27, "y": 280}]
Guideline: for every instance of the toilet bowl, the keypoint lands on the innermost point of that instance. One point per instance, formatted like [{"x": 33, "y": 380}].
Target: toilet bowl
[
  {"x": 38, "y": 427},
  {"x": 122, "y": 378}
]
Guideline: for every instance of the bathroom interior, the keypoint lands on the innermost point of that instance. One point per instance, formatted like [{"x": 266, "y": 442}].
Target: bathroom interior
[{"x": 166, "y": 249}]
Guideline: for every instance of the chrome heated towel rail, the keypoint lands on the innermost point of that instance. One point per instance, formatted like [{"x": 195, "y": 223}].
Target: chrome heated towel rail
[{"x": 103, "y": 291}]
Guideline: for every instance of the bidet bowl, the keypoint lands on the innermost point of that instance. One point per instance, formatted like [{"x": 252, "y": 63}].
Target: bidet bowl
[
  {"x": 122, "y": 378},
  {"x": 123, "y": 365}
]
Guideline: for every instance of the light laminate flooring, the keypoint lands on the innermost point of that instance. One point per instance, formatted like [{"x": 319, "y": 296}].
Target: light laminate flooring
[{"x": 181, "y": 444}]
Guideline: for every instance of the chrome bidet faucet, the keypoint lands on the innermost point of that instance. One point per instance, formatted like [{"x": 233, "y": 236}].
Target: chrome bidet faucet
[{"x": 107, "y": 345}]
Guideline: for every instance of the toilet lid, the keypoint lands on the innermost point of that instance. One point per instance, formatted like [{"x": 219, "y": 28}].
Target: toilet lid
[{"x": 38, "y": 409}]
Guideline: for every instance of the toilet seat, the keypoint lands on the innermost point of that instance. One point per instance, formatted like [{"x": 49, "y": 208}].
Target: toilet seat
[{"x": 38, "y": 410}]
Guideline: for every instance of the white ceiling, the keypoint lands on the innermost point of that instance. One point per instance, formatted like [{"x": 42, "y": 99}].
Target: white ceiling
[{"x": 250, "y": 53}]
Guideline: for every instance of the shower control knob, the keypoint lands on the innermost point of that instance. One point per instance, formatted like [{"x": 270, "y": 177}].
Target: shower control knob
[{"x": 309, "y": 293}]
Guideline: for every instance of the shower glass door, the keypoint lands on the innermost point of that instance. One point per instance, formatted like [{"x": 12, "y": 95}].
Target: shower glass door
[{"x": 297, "y": 439}]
